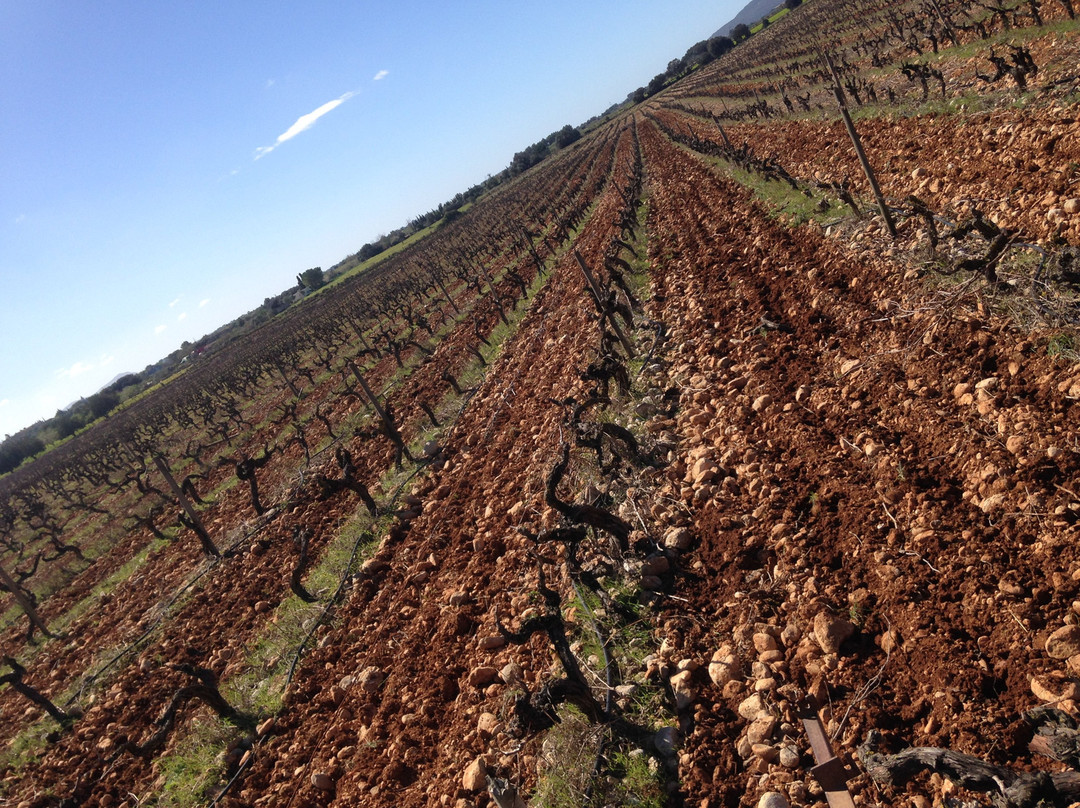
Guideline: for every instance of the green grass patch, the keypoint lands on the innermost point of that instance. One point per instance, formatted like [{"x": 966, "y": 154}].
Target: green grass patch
[
  {"x": 1063, "y": 345},
  {"x": 781, "y": 200},
  {"x": 191, "y": 774}
]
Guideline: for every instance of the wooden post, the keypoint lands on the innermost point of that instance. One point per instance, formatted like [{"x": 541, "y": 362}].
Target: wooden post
[
  {"x": 838, "y": 91},
  {"x": 368, "y": 392},
  {"x": 627, "y": 345},
  {"x": 449, "y": 299},
  {"x": 723, "y": 134},
  {"x": 204, "y": 538},
  {"x": 945, "y": 23},
  {"x": 532, "y": 251},
  {"x": 491, "y": 291},
  {"x": 288, "y": 381},
  {"x": 391, "y": 430},
  {"x": 24, "y": 603}
]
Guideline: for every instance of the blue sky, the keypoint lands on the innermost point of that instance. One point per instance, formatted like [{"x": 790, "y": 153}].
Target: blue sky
[{"x": 166, "y": 167}]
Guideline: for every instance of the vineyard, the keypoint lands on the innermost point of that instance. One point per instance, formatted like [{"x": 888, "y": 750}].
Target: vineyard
[{"x": 624, "y": 485}]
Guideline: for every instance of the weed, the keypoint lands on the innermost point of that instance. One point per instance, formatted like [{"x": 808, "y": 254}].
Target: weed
[
  {"x": 568, "y": 757},
  {"x": 1062, "y": 345},
  {"x": 196, "y": 767}
]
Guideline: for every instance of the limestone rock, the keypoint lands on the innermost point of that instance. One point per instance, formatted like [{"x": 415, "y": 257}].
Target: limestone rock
[
  {"x": 1054, "y": 687},
  {"x": 773, "y": 799},
  {"x": 677, "y": 538},
  {"x": 789, "y": 757},
  {"x": 830, "y": 631},
  {"x": 370, "y": 679},
  {"x": 682, "y": 685},
  {"x": 487, "y": 724},
  {"x": 656, "y": 565},
  {"x": 666, "y": 740},
  {"x": 483, "y": 676},
  {"x": 724, "y": 666},
  {"x": 511, "y": 673},
  {"x": 475, "y": 776},
  {"x": 753, "y": 707},
  {"x": 1063, "y": 643},
  {"x": 322, "y": 781}
]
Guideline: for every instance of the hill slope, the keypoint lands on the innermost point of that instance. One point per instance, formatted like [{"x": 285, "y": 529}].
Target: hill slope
[{"x": 751, "y": 13}]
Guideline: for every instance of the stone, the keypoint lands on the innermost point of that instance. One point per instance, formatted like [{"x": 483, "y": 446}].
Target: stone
[
  {"x": 666, "y": 741},
  {"x": 656, "y": 565},
  {"x": 487, "y": 724},
  {"x": 724, "y": 666},
  {"x": 765, "y": 752},
  {"x": 753, "y": 707},
  {"x": 1015, "y": 443},
  {"x": 789, "y": 757},
  {"x": 475, "y": 776},
  {"x": 1054, "y": 687},
  {"x": 703, "y": 471},
  {"x": 491, "y": 643},
  {"x": 773, "y": 799},
  {"x": 370, "y": 679},
  {"x": 483, "y": 676},
  {"x": 682, "y": 685},
  {"x": 677, "y": 538},
  {"x": 830, "y": 631},
  {"x": 764, "y": 642},
  {"x": 1071, "y": 205},
  {"x": 762, "y": 729},
  {"x": 322, "y": 781},
  {"x": 1063, "y": 643},
  {"x": 1073, "y": 664},
  {"x": 265, "y": 728},
  {"x": 511, "y": 673},
  {"x": 761, "y": 402}
]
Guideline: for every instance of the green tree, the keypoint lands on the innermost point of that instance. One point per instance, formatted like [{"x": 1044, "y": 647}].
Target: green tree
[
  {"x": 567, "y": 135},
  {"x": 311, "y": 279},
  {"x": 740, "y": 32},
  {"x": 719, "y": 45},
  {"x": 792, "y": 4}
]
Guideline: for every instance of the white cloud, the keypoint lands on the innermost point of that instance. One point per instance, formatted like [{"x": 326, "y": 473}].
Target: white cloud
[
  {"x": 20, "y": 218},
  {"x": 270, "y": 83},
  {"x": 173, "y": 304},
  {"x": 303, "y": 123},
  {"x": 106, "y": 359},
  {"x": 382, "y": 74},
  {"x": 204, "y": 302},
  {"x": 5, "y": 402},
  {"x": 78, "y": 369},
  {"x": 160, "y": 328},
  {"x": 182, "y": 317}
]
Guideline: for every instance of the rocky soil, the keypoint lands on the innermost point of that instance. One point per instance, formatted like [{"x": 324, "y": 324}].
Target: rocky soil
[{"x": 852, "y": 490}]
